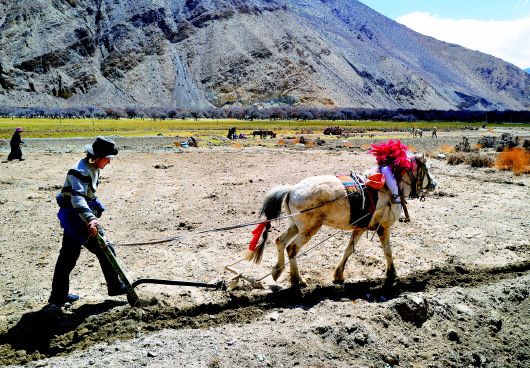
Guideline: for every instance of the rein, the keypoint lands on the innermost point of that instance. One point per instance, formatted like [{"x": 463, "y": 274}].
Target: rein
[
  {"x": 415, "y": 184},
  {"x": 417, "y": 190},
  {"x": 232, "y": 227}
]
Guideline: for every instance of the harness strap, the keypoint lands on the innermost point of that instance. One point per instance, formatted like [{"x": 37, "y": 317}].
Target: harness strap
[{"x": 405, "y": 210}]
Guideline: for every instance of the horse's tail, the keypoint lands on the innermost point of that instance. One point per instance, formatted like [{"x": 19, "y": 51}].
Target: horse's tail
[{"x": 271, "y": 208}]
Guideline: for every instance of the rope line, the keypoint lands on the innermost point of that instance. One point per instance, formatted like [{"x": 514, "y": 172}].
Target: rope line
[
  {"x": 318, "y": 244},
  {"x": 231, "y": 227}
]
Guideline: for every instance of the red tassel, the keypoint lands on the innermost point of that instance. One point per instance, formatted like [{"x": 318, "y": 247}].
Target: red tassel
[
  {"x": 392, "y": 152},
  {"x": 256, "y": 234}
]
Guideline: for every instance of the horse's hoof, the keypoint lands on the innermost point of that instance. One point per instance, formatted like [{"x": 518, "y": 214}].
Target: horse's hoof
[
  {"x": 298, "y": 283},
  {"x": 276, "y": 273}
]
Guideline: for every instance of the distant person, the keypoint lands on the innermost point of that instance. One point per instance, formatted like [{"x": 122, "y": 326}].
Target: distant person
[
  {"x": 434, "y": 135},
  {"x": 231, "y": 133},
  {"x": 79, "y": 210},
  {"x": 16, "y": 141},
  {"x": 192, "y": 142}
]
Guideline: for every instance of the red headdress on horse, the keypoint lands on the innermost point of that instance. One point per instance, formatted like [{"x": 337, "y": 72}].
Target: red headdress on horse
[{"x": 392, "y": 153}]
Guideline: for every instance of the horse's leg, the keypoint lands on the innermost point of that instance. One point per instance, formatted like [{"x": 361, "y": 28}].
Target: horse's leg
[
  {"x": 384, "y": 237},
  {"x": 292, "y": 250},
  {"x": 281, "y": 242},
  {"x": 339, "y": 270}
]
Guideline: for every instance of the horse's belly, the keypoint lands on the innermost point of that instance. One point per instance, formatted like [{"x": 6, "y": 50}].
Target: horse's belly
[{"x": 339, "y": 217}]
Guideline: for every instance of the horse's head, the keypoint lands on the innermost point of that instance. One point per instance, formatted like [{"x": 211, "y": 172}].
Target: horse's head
[{"x": 418, "y": 181}]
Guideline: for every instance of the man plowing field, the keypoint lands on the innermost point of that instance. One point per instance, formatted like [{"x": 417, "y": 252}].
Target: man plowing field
[{"x": 79, "y": 210}]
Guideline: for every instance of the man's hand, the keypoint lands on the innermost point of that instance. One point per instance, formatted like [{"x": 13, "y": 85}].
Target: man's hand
[{"x": 92, "y": 227}]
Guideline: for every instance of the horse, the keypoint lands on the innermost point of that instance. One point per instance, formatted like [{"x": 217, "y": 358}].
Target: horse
[
  {"x": 417, "y": 132},
  {"x": 333, "y": 131},
  {"x": 323, "y": 200},
  {"x": 263, "y": 133}
]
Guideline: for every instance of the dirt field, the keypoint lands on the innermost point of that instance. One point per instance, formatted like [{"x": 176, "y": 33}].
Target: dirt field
[{"x": 461, "y": 298}]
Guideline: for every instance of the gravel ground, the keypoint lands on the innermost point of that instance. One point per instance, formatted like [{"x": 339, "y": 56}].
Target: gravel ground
[{"x": 461, "y": 298}]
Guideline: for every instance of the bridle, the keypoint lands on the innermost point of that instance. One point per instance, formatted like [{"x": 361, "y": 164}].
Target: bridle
[{"x": 417, "y": 179}]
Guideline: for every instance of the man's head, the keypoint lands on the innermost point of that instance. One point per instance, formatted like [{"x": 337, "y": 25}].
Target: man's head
[
  {"x": 102, "y": 147},
  {"x": 101, "y": 151},
  {"x": 19, "y": 130}
]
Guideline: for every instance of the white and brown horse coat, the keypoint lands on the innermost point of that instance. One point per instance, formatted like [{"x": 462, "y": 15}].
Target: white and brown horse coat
[{"x": 324, "y": 200}]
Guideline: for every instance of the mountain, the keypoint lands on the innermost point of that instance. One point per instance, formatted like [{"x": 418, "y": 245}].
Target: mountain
[
  {"x": 527, "y": 70},
  {"x": 202, "y": 53}
]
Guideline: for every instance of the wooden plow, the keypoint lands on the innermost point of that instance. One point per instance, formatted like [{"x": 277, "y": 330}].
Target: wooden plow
[{"x": 132, "y": 297}]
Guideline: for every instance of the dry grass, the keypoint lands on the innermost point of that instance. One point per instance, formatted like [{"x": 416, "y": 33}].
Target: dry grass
[
  {"x": 445, "y": 148},
  {"x": 515, "y": 159},
  {"x": 366, "y": 146},
  {"x": 472, "y": 159}
]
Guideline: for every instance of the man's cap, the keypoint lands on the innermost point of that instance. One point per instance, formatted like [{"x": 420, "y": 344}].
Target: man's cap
[
  {"x": 19, "y": 129},
  {"x": 102, "y": 147}
]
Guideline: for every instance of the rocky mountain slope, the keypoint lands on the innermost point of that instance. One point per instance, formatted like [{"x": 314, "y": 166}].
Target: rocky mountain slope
[{"x": 202, "y": 53}]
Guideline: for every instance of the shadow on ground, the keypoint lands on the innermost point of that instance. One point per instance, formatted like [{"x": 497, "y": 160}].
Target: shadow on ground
[
  {"x": 36, "y": 329},
  {"x": 49, "y": 332}
]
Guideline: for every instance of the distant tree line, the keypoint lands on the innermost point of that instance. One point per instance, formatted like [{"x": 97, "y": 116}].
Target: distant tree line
[{"x": 271, "y": 113}]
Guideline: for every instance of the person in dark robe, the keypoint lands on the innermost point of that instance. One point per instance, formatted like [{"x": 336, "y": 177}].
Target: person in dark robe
[{"x": 16, "y": 141}]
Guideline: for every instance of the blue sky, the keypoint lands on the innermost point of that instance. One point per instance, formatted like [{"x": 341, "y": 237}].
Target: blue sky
[
  {"x": 497, "y": 27},
  {"x": 458, "y": 9}
]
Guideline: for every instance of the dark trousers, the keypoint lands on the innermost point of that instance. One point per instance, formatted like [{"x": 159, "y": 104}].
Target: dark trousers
[{"x": 70, "y": 251}]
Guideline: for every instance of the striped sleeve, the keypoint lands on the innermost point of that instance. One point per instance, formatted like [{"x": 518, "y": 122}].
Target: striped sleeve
[{"x": 79, "y": 185}]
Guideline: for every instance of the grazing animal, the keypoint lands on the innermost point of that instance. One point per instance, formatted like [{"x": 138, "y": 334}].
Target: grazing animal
[
  {"x": 263, "y": 133},
  {"x": 417, "y": 133},
  {"x": 322, "y": 200},
  {"x": 333, "y": 131}
]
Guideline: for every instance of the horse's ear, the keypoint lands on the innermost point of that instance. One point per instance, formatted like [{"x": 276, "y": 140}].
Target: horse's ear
[{"x": 420, "y": 157}]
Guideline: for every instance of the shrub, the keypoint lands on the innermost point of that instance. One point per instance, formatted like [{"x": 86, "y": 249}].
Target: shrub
[
  {"x": 472, "y": 159},
  {"x": 477, "y": 160},
  {"x": 456, "y": 159},
  {"x": 463, "y": 146},
  {"x": 487, "y": 141},
  {"x": 507, "y": 141},
  {"x": 515, "y": 159}
]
